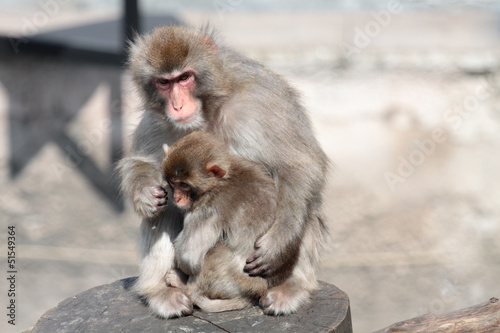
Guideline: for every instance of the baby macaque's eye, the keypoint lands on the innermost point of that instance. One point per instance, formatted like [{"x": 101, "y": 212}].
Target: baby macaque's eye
[{"x": 185, "y": 186}]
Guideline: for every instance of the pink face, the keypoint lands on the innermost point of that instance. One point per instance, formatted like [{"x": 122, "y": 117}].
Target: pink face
[
  {"x": 177, "y": 89},
  {"x": 182, "y": 194}
]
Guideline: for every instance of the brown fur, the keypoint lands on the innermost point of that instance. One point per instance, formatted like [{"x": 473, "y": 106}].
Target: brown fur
[
  {"x": 240, "y": 206},
  {"x": 167, "y": 49}
]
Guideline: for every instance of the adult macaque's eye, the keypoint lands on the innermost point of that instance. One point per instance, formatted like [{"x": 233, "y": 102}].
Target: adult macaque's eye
[
  {"x": 185, "y": 78},
  {"x": 162, "y": 83}
]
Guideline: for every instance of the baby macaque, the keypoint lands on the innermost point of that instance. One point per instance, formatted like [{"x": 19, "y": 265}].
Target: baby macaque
[{"x": 229, "y": 202}]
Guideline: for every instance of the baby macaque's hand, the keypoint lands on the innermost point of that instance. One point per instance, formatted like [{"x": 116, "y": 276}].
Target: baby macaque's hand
[{"x": 150, "y": 200}]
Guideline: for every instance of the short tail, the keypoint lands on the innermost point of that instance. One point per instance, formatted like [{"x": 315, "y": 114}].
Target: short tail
[{"x": 221, "y": 305}]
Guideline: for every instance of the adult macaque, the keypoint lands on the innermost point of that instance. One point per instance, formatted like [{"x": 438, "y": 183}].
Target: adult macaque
[
  {"x": 189, "y": 82},
  {"x": 228, "y": 202}
]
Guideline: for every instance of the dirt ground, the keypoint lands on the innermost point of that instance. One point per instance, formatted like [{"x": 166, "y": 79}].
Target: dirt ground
[{"x": 405, "y": 103}]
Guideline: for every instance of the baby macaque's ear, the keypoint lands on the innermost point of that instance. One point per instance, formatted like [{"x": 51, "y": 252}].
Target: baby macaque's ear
[
  {"x": 165, "y": 148},
  {"x": 216, "y": 170}
]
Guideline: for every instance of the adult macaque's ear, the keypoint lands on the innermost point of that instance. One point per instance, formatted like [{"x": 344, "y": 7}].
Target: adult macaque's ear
[
  {"x": 209, "y": 41},
  {"x": 216, "y": 170},
  {"x": 165, "y": 148}
]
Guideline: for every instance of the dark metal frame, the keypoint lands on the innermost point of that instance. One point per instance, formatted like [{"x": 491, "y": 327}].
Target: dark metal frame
[
  {"x": 102, "y": 43},
  {"x": 60, "y": 43}
]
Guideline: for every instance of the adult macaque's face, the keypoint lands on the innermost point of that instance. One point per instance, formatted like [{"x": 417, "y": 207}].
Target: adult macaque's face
[{"x": 177, "y": 89}]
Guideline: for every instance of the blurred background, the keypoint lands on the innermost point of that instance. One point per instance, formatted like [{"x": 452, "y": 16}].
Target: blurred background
[{"x": 404, "y": 97}]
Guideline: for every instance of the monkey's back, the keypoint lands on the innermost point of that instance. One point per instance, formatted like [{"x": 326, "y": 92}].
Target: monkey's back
[
  {"x": 250, "y": 200},
  {"x": 247, "y": 206}
]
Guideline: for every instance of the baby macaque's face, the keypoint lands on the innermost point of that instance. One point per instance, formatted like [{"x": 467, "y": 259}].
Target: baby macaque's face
[{"x": 182, "y": 194}]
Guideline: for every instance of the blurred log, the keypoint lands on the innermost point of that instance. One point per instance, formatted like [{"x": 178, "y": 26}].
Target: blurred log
[{"x": 484, "y": 317}]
